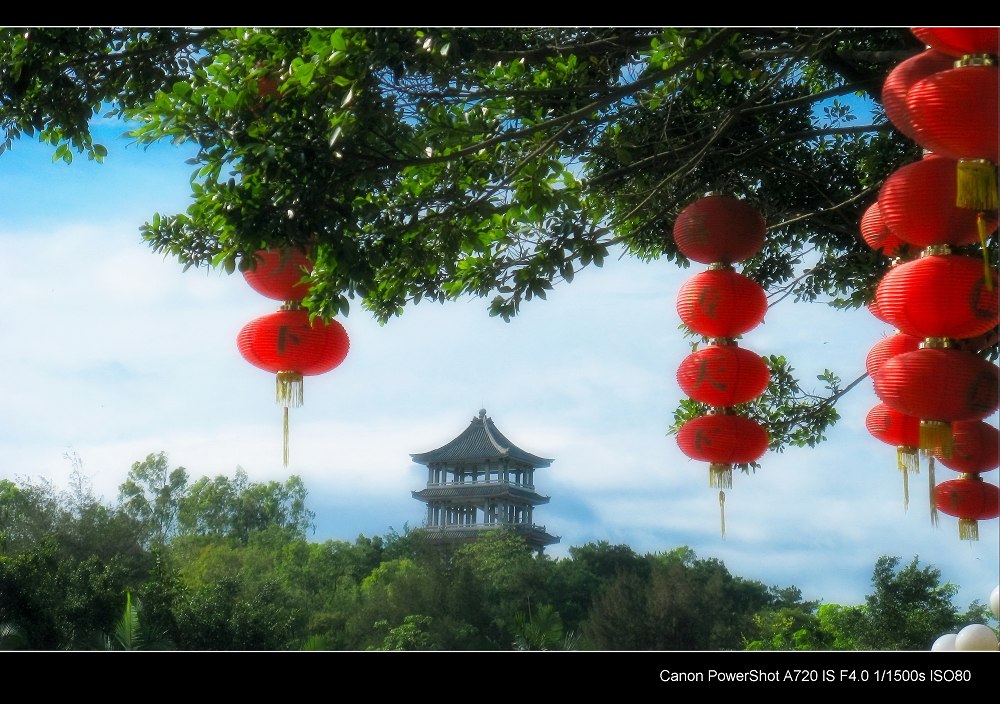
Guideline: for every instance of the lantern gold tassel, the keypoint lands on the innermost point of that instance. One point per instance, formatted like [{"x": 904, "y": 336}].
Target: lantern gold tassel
[
  {"x": 933, "y": 490},
  {"x": 906, "y": 491},
  {"x": 936, "y": 435},
  {"x": 289, "y": 390},
  {"x": 722, "y": 513},
  {"x": 977, "y": 184},
  {"x": 720, "y": 476},
  {"x": 968, "y": 529},
  {"x": 284, "y": 444},
  {"x": 908, "y": 459},
  {"x": 987, "y": 270}
]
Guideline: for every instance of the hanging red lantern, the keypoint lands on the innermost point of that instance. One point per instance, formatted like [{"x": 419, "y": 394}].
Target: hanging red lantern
[
  {"x": 291, "y": 346},
  {"x": 279, "y": 274},
  {"x": 877, "y": 234},
  {"x": 954, "y": 114},
  {"x": 917, "y": 204},
  {"x": 719, "y": 228},
  {"x": 286, "y": 341},
  {"x": 975, "y": 447},
  {"x": 969, "y": 499},
  {"x": 939, "y": 295},
  {"x": 899, "y": 81},
  {"x": 723, "y": 440},
  {"x": 939, "y": 385},
  {"x": 959, "y": 41},
  {"x": 902, "y": 432},
  {"x": 889, "y": 347},
  {"x": 723, "y": 375},
  {"x": 899, "y": 430},
  {"x": 720, "y": 302}
]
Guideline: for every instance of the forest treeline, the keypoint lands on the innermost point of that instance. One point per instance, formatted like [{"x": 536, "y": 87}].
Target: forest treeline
[{"x": 225, "y": 563}]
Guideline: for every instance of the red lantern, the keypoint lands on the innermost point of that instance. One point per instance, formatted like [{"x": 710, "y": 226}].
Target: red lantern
[
  {"x": 899, "y": 81},
  {"x": 889, "y": 347},
  {"x": 290, "y": 345},
  {"x": 899, "y": 430},
  {"x": 279, "y": 274},
  {"x": 969, "y": 499},
  {"x": 959, "y": 41},
  {"x": 939, "y": 385},
  {"x": 723, "y": 375},
  {"x": 721, "y": 303},
  {"x": 975, "y": 447},
  {"x": 286, "y": 341},
  {"x": 917, "y": 204},
  {"x": 722, "y": 440},
  {"x": 877, "y": 234},
  {"x": 719, "y": 228},
  {"x": 954, "y": 114},
  {"x": 939, "y": 296}
]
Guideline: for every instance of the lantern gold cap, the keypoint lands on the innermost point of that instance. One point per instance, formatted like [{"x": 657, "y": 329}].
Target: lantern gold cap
[
  {"x": 936, "y": 342},
  {"x": 975, "y": 60}
]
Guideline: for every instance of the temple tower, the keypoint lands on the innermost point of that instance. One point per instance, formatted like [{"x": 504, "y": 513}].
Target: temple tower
[{"x": 481, "y": 481}]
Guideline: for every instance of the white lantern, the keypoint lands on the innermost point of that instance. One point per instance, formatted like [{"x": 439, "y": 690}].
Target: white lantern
[
  {"x": 995, "y": 601},
  {"x": 976, "y": 637},
  {"x": 945, "y": 642}
]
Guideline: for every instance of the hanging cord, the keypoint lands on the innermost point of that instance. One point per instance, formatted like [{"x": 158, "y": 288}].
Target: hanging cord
[
  {"x": 932, "y": 489},
  {"x": 722, "y": 513}
]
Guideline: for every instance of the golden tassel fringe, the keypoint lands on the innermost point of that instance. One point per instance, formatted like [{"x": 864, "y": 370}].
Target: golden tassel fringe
[
  {"x": 908, "y": 459},
  {"x": 906, "y": 491},
  {"x": 722, "y": 513},
  {"x": 968, "y": 529},
  {"x": 936, "y": 435},
  {"x": 720, "y": 476},
  {"x": 289, "y": 389},
  {"x": 983, "y": 234},
  {"x": 977, "y": 184}
]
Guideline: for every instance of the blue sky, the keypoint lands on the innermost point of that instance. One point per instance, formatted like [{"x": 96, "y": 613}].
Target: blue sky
[{"x": 112, "y": 353}]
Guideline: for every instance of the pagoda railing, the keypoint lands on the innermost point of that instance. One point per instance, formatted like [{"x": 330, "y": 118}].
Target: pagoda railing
[
  {"x": 484, "y": 526},
  {"x": 483, "y": 481}
]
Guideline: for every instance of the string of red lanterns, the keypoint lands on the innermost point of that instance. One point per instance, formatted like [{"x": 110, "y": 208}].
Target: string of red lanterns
[
  {"x": 721, "y": 304},
  {"x": 976, "y": 449},
  {"x": 945, "y": 99},
  {"x": 288, "y": 343}
]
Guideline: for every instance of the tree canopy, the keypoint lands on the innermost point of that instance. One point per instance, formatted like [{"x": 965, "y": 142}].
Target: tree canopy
[
  {"x": 420, "y": 164},
  {"x": 78, "y": 573}
]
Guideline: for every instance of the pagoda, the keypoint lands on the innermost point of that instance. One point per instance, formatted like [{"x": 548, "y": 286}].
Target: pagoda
[{"x": 481, "y": 481}]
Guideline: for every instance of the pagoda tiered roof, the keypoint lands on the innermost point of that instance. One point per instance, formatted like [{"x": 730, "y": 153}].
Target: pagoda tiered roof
[{"x": 480, "y": 441}]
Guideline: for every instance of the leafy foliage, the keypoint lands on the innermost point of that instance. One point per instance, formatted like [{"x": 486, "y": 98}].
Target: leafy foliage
[
  {"x": 427, "y": 164},
  {"x": 278, "y": 591},
  {"x": 907, "y": 610}
]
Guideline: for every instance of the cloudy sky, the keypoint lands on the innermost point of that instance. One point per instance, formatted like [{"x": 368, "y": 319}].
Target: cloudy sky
[{"x": 111, "y": 353}]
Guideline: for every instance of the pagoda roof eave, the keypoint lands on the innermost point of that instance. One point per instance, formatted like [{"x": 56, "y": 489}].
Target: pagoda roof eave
[{"x": 481, "y": 441}]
